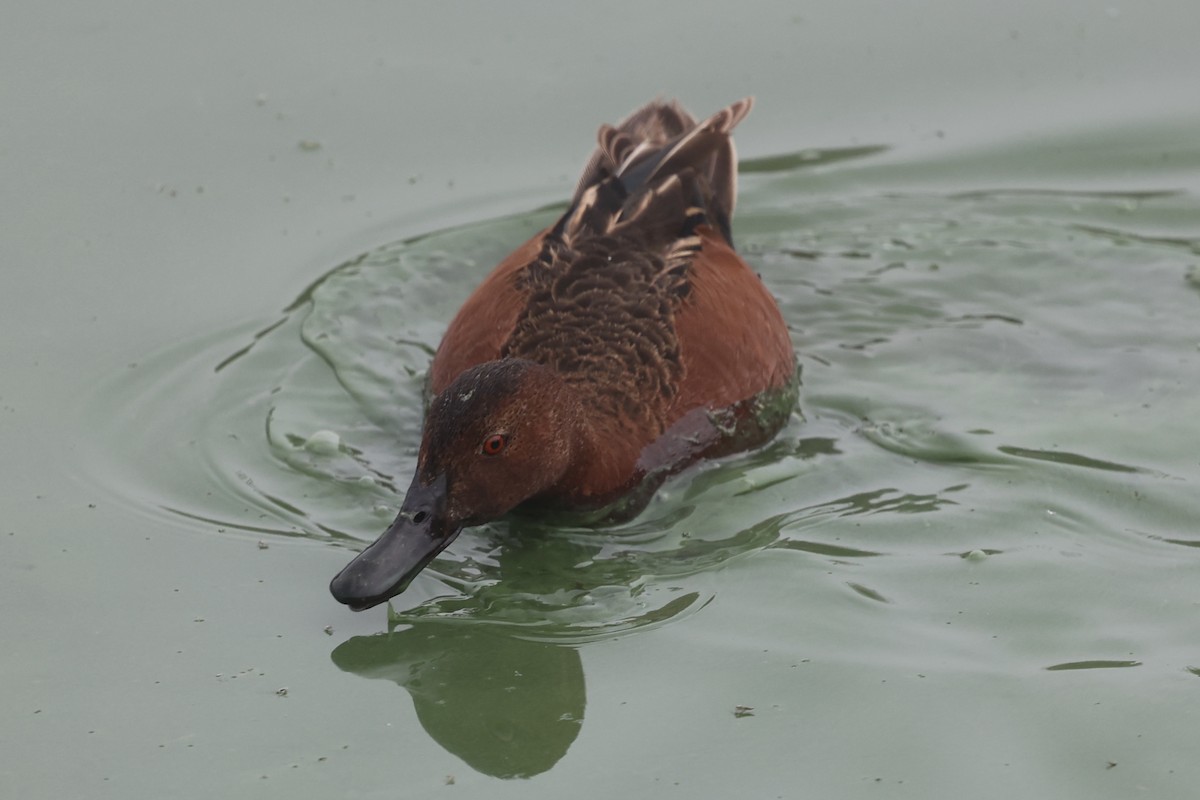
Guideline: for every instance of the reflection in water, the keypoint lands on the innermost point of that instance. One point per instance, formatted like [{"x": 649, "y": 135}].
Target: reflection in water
[
  {"x": 986, "y": 372},
  {"x": 508, "y": 707}
]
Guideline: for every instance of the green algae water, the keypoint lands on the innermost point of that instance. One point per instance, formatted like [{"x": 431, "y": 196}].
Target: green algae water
[
  {"x": 987, "y": 477},
  {"x": 967, "y": 566}
]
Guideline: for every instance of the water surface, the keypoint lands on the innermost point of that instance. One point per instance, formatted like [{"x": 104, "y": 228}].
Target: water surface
[
  {"x": 988, "y": 485},
  {"x": 966, "y": 568}
]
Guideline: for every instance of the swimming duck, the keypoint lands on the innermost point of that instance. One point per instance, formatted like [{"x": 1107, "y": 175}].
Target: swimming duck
[{"x": 609, "y": 351}]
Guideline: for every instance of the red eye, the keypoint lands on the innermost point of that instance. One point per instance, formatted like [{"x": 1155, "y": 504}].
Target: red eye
[{"x": 494, "y": 445}]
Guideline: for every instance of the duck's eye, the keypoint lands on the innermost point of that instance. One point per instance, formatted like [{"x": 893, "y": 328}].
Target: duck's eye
[{"x": 494, "y": 445}]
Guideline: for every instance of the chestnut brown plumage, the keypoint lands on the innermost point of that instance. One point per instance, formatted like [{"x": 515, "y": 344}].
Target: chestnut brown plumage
[{"x": 610, "y": 350}]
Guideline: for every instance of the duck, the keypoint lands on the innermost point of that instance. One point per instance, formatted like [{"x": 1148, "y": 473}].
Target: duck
[{"x": 610, "y": 351}]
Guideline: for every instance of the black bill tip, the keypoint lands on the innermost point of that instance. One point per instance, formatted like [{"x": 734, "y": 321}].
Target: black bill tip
[{"x": 389, "y": 564}]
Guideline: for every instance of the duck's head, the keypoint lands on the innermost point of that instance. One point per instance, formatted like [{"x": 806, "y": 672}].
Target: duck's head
[{"x": 499, "y": 434}]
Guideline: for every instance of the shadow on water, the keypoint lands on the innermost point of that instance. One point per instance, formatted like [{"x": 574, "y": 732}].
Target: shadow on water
[{"x": 508, "y": 707}]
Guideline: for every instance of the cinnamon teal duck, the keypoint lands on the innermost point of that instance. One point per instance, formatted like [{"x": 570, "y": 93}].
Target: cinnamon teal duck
[{"x": 609, "y": 351}]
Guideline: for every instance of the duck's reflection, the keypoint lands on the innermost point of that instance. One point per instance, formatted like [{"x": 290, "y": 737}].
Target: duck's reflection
[
  {"x": 511, "y": 707},
  {"x": 508, "y": 707}
]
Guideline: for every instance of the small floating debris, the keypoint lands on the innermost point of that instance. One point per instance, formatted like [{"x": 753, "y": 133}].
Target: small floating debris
[
  {"x": 281, "y": 691},
  {"x": 263, "y": 545},
  {"x": 743, "y": 711},
  {"x": 328, "y": 630},
  {"x": 976, "y": 555},
  {"x": 323, "y": 443},
  {"x": 867, "y": 592},
  {"x": 1097, "y": 664},
  {"x": 309, "y": 145}
]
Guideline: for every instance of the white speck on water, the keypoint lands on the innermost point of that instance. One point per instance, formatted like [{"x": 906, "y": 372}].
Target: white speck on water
[{"x": 323, "y": 443}]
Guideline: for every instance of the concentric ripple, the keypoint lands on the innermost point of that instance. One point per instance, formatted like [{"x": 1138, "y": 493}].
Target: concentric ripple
[{"x": 946, "y": 374}]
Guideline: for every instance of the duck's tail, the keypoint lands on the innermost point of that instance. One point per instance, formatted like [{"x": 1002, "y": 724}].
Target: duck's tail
[{"x": 659, "y": 169}]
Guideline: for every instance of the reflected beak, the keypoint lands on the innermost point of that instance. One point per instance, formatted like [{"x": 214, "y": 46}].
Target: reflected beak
[{"x": 389, "y": 564}]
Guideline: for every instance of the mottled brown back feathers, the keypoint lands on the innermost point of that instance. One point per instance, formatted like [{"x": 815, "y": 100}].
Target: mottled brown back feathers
[
  {"x": 603, "y": 292},
  {"x": 603, "y": 318}
]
